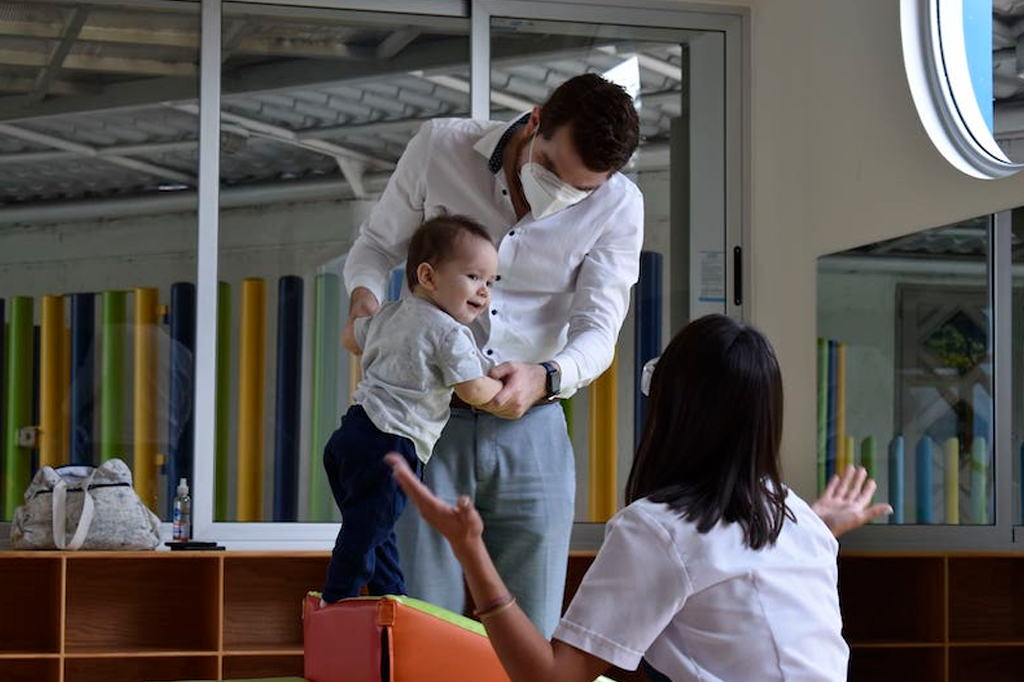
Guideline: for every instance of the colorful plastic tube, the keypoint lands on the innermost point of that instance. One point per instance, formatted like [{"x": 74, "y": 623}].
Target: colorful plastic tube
[
  {"x": 17, "y": 402},
  {"x": 979, "y": 480},
  {"x": 288, "y": 406},
  {"x": 896, "y": 479},
  {"x": 181, "y": 389},
  {"x": 325, "y": 414},
  {"x": 112, "y": 384},
  {"x": 223, "y": 402},
  {"x": 951, "y": 486},
  {"x": 647, "y": 332},
  {"x": 146, "y": 385},
  {"x": 923, "y": 476},
  {"x": 604, "y": 435},
  {"x": 251, "y": 390},
  {"x": 822, "y": 413},
  {"x": 83, "y": 377},
  {"x": 51, "y": 375}
]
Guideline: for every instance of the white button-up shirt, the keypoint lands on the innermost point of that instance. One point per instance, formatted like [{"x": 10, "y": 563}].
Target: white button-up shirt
[
  {"x": 704, "y": 607},
  {"x": 564, "y": 280}
]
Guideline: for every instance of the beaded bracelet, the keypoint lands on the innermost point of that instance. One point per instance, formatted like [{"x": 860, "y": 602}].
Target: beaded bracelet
[
  {"x": 503, "y": 599},
  {"x": 497, "y": 610}
]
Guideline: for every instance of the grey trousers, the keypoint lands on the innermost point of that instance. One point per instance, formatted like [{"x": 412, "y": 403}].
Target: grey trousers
[{"x": 521, "y": 476}]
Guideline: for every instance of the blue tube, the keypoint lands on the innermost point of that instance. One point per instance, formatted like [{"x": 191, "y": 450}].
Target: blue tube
[
  {"x": 83, "y": 377},
  {"x": 896, "y": 479},
  {"x": 924, "y": 480},
  {"x": 647, "y": 332},
  {"x": 181, "y": 389},
  {"x": 289, "y": 379}
]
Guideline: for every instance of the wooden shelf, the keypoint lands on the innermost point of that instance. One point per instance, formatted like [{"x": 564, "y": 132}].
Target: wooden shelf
[
  {"x": 898, "y": 665},
  {"x": 944, "y": 617},
  {"x": 268, "y": 590},
  {"x": 140, "y": 604},
  {"x": 986, "y": 664},
  {"x": 262, "y": 665},
  {"x": 141, "y": 669},
  {"x": 34, "y": 669},
  {"x": 31, "y": 586},
  {"x": 986, "y": 599},
  {"x": 915, "y": 584},
  {"x": 148, "y": 616}
]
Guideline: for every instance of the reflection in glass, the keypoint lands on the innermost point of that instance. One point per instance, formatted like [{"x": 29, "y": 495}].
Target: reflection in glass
[
  {"x": 1002, "y": 96},
  {"x": 97, "y": 240},
  {"x": 317, "y": 107},
  {"x": 529, "y": 59},
  {"x": 905, "y": 372}
]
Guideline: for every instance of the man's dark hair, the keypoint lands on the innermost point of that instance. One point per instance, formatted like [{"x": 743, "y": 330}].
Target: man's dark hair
[
  {"x": 710, "y": 447},
  {"x": 605, "y": 127},
  {"x": 435, "y": 241}
]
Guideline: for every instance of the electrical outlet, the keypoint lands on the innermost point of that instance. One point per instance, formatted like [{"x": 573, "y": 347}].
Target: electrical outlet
[{"x": 28, "y": 437}]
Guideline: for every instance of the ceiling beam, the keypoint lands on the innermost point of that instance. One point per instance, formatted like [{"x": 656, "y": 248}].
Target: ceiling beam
[
  {"x": 71, "y": 31},
  {"x": 290, "y": 137},
  {"x": 91, "y": 152},
  {"x": 437, "y": 57},
  {"x": 57, "y": 87},
  {"x": 397, "y": 41}
]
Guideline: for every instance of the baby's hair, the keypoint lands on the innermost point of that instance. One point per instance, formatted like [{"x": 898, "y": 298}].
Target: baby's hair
[{"x": 435, "y": 242}]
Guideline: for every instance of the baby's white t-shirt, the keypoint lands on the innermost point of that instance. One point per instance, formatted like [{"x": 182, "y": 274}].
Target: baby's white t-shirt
[{"x": 413, "y": 354}]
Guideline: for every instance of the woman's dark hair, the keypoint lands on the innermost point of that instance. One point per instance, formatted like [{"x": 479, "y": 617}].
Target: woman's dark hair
[
  {"x": 605, "y": 126},
  {"x": 435, "y": 241},
  {"x": 710, "y": 447}
]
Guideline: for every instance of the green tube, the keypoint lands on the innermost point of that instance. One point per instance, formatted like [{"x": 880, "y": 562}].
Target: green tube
[
  {"x": 325, "y": 415},
  {"x": 112, "y": 420},
  {"x": 18, "y": 401},
  {"x": 869, "y": 456},
  {"x": 223, "y": 404},
  {"x": 979, "y": 480},
  {"x": 567, "y": 409}
]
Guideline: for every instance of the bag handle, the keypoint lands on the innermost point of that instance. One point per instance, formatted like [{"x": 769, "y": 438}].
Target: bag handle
[{"x": 60, "y": 493}]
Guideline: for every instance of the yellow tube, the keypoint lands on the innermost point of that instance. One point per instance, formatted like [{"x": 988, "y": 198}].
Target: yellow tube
[
  {"x": 604, "y": 434},
  {"x": 51, "y": 372},
  {"x": 952, "y": 482},
  {"x": 145, "y": 385},
  {"x": 251, "y": 387}
]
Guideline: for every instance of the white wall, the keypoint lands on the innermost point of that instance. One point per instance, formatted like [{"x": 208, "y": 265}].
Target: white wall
[{"x": 838, "y": 158}]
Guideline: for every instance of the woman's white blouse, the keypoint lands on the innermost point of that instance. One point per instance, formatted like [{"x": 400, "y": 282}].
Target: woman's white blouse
[{"x": 705, "y": 607}]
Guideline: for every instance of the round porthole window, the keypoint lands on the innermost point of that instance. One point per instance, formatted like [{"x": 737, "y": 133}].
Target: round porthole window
[{"x": 965, "y": 67}]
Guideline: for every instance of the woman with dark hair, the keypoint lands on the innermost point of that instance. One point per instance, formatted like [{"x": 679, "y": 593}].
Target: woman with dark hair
[{"x": 714, "y": 571}]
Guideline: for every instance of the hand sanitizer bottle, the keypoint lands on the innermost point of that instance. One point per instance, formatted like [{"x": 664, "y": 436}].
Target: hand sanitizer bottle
[{"x": 182, "y": 521}]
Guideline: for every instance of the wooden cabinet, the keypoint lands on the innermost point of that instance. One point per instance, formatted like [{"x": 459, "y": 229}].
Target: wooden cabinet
[
  {"x": 126, "y": 616},
  {"x": 136, "y": 616},
  {"x": 934, "y": 617}
]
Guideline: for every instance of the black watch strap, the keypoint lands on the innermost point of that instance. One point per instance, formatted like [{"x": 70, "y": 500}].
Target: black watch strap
[{"x": 553, "y": 383}]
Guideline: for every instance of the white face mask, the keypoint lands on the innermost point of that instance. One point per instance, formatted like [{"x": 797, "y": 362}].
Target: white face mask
[{"x": 545, "y": 191}]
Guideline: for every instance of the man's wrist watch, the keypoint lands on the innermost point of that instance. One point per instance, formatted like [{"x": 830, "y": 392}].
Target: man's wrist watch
[{"x": 553, "y": 383}]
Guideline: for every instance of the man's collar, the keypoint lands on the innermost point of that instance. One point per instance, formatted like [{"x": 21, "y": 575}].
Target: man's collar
[{"x": 492, "y": 144}]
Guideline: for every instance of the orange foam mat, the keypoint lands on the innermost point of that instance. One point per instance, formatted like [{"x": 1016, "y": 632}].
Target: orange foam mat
[{"x": 394, "y": 639}]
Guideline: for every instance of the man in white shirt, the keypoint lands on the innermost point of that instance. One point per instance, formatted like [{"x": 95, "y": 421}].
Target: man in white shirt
[{"x": 569, "y": 229}]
